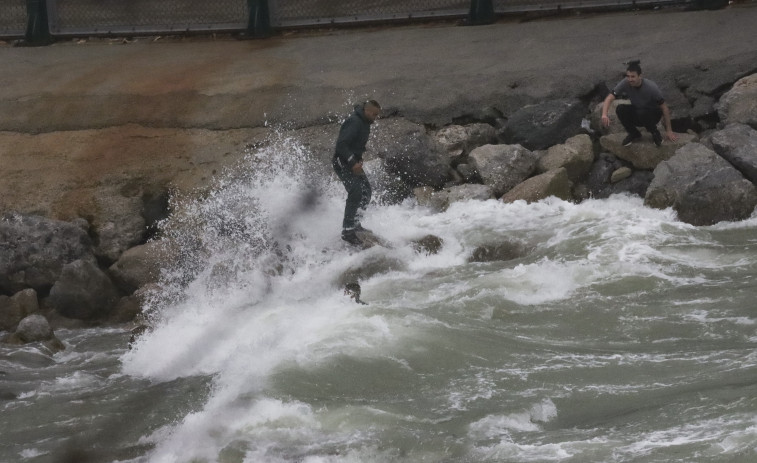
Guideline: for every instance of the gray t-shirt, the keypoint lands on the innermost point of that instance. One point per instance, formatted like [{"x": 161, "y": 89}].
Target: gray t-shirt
[{"x": 648, "y": 95}]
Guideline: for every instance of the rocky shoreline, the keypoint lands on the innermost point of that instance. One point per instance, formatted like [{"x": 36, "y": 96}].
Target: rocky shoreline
[{"x": 88, "y": 251}]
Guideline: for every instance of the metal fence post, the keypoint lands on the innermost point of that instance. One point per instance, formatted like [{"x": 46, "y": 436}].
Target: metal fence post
[
  {"x": 259, "y": 24},
  {"x": 481, "y": 12},
  {"x": 37, "y": 27}
]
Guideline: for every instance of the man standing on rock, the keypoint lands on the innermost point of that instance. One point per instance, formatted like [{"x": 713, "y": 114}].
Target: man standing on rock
[
  {"x": 348, "y": 165},
  {"x": 646, "y": 108}
]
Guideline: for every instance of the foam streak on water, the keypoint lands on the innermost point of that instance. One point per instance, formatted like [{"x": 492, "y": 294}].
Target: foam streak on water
[{"x": 620, "y": 334}]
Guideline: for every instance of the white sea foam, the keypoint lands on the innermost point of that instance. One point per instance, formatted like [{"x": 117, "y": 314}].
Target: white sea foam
[{"x": 261, "y": 292}]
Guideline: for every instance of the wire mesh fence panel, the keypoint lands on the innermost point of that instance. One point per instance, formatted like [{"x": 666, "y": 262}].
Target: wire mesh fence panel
[
  {"x": 523, "y": 6},
  {"x": 12, "y": 17},
  {"x": 314, "y": 12},
  {"x": 123, "y": 16}
]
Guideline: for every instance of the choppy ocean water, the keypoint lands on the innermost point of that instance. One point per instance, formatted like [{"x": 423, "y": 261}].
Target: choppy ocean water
[{"x": 622, "y": 335}]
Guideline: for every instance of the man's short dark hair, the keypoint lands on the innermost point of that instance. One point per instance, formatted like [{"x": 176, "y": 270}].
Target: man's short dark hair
[
  {"x": 634, "y": 66},
  {"x": 373, "y": 103}
]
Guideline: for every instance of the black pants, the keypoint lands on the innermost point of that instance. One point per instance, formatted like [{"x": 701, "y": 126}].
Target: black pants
[
  {"x": 632, "y": 117},
  {"x": 358, "y": 195}
]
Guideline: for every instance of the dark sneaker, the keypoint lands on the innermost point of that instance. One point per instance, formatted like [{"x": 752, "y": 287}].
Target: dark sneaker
[
  {"x": 630, "y": 139},
  {"x": 350, "y": 237},
  {"x": 657, "y": 137},
  {"x": 359, "y": 228}
]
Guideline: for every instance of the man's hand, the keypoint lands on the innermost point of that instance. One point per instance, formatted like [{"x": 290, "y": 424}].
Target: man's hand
[
  {"x": 671, "y": 135},
  {"x": 605, "y": 121},
  {"x": 357, "y": 169}
]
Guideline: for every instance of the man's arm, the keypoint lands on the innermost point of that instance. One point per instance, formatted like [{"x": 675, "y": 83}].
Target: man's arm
[
  {"x": 606, "y": 107},
  {"x": 347, "y": 133},
  {"x": 666, "y": 118}
]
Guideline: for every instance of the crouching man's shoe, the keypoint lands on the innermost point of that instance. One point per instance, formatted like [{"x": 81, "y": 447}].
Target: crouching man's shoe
[
  {"x": 657, "y": 137},
  {"x": 630, "y": 139}
]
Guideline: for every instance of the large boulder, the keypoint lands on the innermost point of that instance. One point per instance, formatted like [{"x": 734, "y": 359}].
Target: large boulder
[
  {"x": 553, "y": 183},
  {"x": 542, "y": 125},
  {"x": 34, "y": 328},
  {"x": 35, "y": 249},
  {"x": 83, "y": 292},
  {"x": 576, "y": 155},
  {"x": 737, "y": 143},
  {"x": 503, "y": 166},
  {"x": 141, "y": 265},
  {"x": 702, "y": 187},
  {"x": 644, "y": 154},
  {"x": 740, "y": 103},
  {"x": 119, "y": 226},
  {"x": 410, "y": 153}
]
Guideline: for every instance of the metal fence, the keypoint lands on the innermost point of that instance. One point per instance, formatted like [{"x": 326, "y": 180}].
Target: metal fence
[
  {"x": 113, "y": 17},
  {"x": 69, "y": 17},
  {"x": 288, "y": 13},
  {"x": 12, "y": 18}
]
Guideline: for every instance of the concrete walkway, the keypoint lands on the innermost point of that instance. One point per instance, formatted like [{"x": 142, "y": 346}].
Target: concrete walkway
[{"x": 427, "y": 73}]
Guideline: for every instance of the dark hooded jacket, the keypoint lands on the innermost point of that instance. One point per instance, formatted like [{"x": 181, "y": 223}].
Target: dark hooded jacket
[{"x": 350, "y": 145}]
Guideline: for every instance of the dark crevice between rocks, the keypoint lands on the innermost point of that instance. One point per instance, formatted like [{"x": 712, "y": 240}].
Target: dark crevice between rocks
[{"x": 156, "y": 209}]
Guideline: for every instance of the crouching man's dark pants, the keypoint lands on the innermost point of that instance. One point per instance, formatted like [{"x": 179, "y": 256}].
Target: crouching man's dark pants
[
  {"x": 632, "y": 117},
  {"x": 358, "y": 195}
]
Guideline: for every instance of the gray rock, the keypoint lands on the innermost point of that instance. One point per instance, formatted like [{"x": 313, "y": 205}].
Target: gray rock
[
  {"x": 410, "y": 153},
  {"x": 576, "y": 155},
  {"x": 14, "y": 309},
  {"x": 545, "y": 124},
  {"x": 503, "y": 166},
  {"x": 644, "y": 154},
  {"x": 553, "y": 183},
  {"x": 127, "y": 309},
  {"x": 83, "y": 292},
  {"x": 372, "y": 265},
  {"x": 620, "y": 174},
  {"x": 34, "y": 328},
  {"x": 737, "y": 144},
  {"x": 35, "y": 249},
  {"x": 739, "y": 105},
  {"x": 468, "y": 192},
  {"x": 702, "y": 187},
  {"x": 464, "y": 138}
]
